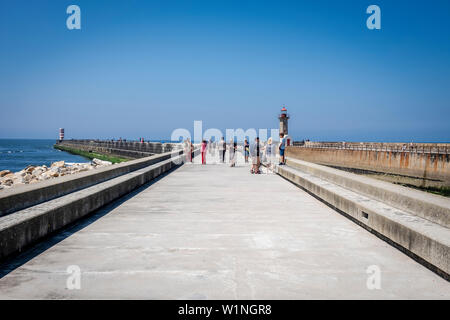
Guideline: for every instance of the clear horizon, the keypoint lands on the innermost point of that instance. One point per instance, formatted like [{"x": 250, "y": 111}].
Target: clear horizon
[{"x": 144, "y": 68}]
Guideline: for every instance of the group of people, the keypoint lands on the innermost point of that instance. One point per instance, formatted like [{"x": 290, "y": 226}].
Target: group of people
[
  {"x": 188, "y": 150},
  {"x": 264, "y": 153},
  {"x": 259, "y": 152}
]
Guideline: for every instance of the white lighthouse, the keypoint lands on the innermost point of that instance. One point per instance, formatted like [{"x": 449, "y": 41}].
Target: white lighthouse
[{"x": 284, "y": 117}]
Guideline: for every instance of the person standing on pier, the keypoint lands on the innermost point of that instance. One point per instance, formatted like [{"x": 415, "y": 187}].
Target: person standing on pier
[
  {"x": 203, "y": 151},
  {"x": 230, "y": 150},
  {"x": 212, "y": 149},
  {"x": 209, "y": 145},
  {"x": 233, "y": 149},
  {"x": 281, "y": 148},
  {"x": 187, "y": 150},
  {"x": 246, "y": 150},
  {"x": 269, "y": 153},
  {"x": 222, "y": 149},
  {"x": 256, "y": 156}
]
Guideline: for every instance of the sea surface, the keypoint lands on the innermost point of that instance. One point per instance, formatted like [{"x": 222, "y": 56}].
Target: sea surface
[{"x": 16, "y": 154}]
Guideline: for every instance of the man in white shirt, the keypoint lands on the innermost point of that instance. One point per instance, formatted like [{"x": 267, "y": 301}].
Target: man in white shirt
[{"x": 222, "y": 149}]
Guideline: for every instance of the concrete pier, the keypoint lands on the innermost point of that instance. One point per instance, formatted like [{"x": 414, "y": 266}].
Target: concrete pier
[{"x": 215, "y": 232}]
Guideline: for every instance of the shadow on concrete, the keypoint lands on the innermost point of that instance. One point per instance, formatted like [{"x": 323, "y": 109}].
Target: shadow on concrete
[{"x": 15, "y": 261}]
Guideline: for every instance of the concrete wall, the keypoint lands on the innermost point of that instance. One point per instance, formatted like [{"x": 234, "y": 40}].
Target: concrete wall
[
  {"x": 426, "y": 205},
  {"x": 25, "y": 196},
  {"x": 25, "y": 227},
  {"x": 128, "y": 149},
  {"x": 425, "y": 239},
  {"x": 433, "y": 166}
]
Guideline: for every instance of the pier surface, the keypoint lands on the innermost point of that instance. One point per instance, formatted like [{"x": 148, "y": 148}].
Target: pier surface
[{"x": 215, "y": 232}]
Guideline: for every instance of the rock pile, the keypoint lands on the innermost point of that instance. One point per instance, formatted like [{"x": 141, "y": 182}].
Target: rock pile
[{"x": 33, "y": 174}]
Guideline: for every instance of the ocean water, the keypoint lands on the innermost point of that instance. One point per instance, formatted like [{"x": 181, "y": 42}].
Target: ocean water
[{"x": 16, "y": 154}]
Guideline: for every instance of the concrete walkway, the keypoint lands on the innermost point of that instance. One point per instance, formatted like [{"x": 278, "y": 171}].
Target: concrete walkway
[{"x": 215, "y": 232}]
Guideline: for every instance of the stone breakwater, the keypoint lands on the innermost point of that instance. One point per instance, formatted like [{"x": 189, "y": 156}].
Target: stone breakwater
[{"x": 34, "y": 174}]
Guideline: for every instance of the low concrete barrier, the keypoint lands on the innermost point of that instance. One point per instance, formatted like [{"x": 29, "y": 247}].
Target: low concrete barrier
[
  {"x": 22, "y": 228},
  {"x": 426, "y": 241},
  {"x": 426, "y": 205},
  {"x": 21, "y": 197},
  {"x": 428, "y": 168}
]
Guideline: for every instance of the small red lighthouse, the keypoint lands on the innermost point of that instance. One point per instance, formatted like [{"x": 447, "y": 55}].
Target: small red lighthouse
[{"x": 61, "y": 134}]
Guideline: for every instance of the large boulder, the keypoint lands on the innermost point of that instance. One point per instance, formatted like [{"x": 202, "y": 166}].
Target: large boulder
[
  {"x": 46, "y": 175},
  {"x": 99, "y": 162},
  {"x": 21, "y": 173},
  {"x": 29, "y": 169},
  {"x": 54, "y": 174},
  {"x": 8, "y": 176},
  {"x": 55, "y": 169},
  {"x": 8, "y": 182},
  {"x": 27, "y": 178},
  {"x": 37, "y": 172},
  {"x": 4, "y": 173},
  {"x": 58, "y": 164}
]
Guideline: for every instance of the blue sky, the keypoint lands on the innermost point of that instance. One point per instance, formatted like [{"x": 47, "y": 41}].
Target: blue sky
[{"x": 145, "y": 68}]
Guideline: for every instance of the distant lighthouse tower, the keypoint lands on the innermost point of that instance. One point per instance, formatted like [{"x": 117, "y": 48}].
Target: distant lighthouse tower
[
  {"x": 61, "y": 134},
  {"x": 283, "y": 117}
]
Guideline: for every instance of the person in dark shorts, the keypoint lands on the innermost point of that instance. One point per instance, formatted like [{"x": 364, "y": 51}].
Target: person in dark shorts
[
  {"x": 281, "y": 148},
  {"x": 256, "y": 156},
  {"x": 246, "y": 150},
  {"x": 233, "y": 155}
]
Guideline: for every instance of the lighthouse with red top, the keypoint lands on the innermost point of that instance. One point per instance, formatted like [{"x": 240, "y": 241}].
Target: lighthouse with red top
[{"x": 284, "y": 117}]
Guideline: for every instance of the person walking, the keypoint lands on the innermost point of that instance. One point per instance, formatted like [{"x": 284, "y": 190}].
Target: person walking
[
  {"x": 203, "y": 151},
  {"x": 187, "y": 150},
  {"x": 269, "y": 153},
  {"x": 230, "y": 150},
  {"x": 222, "y": 149},
  {"x": 246, "y": 150},
  {"x": 209, "y": 145},
  {"x": 233, "y": 149},
  {"x": 255, "y": 151},
  {"x": 212, "y": 149},
  {"x": 281, "y": 148}
]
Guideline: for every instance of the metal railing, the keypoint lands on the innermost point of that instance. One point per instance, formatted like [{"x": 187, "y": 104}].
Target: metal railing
[{"x": 432, "y": 148}]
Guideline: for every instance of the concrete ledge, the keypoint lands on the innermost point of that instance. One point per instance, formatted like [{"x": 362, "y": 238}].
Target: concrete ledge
[
  {"x": 22, "y": 197},
  {"x": 419, "y": 237},
  {"x": 20, "y": 229},
  {"x": 429, "y": 166},
  {"x": 426, "y": 205}
]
